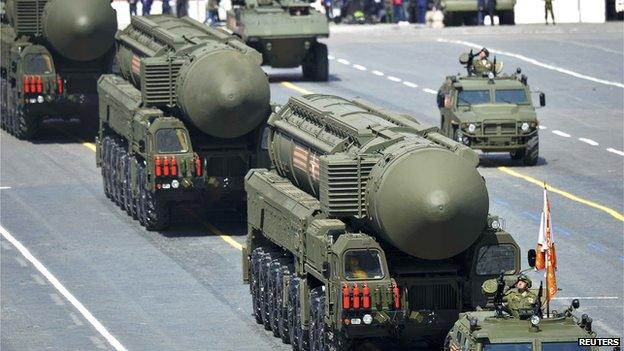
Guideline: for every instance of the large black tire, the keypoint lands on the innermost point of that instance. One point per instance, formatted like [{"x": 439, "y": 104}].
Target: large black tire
[
  {"x": 130, "y": 197},
  {"x": 283, "y": 317},
  {"x": 316, "y": 64},
  {"x": 256, "y": 258},
  {"x": 265, "y": 267},
  {"x": 105, "y": 165},
  {"x": 3, "y": 103},
  {"x": 531, "y": 155},
  {"x": 157, "y": 214},
  {"x": 274, "y": 271},
  {"x": 25, "y": 124},
  {"x": 293, "y": 322},
  {"x": 517, "y": 154},
  {"x": 316, "y": 329}
]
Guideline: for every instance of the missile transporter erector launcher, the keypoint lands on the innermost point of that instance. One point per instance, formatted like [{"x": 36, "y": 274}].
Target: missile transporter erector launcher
[
  {"x": 285, "y": 32},
  {"x": 186, "y": 120},
  {"x": 53, "y": 52},
  {"x": 369, "y": 226}
]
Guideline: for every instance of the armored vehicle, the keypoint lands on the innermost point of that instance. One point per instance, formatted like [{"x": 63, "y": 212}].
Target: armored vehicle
[
  {"x": 458, "y": 12},
  {"x": 285, "y": 32},
  {"x": 496, "y": 328},
  {"x": 369, "y": 226},
  {"x": 492, "y": 112},
  {"x": 185, "y": 120},
  {"x": 53, "y": 52}
]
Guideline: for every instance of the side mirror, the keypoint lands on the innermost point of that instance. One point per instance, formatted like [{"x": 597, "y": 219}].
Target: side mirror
[
  {"x": 576, "y": 304},
  {"x": 326, "y": 270},
  {"x": 542, "y": 99},
  {"x": 440, "y": 99},
  {"x": 531, "y": 258}
]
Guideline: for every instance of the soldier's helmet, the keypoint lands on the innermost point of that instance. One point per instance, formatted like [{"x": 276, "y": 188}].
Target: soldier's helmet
[{"x": 527, "y": 280}]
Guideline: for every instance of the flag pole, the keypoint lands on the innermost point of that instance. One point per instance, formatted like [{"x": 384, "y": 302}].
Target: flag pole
[{"x": 546, "y": 270}]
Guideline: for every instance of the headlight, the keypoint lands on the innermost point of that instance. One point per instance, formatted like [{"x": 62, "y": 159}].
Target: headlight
[
  {"x": 495, "y": 224},
  {"x": 525, "y": 127},
  {"x": 40, "y": 99},
  {"x": 175, "y": 184},
  {"x": 367, "y": 319},
  {"x": 472, "y": 128},
  {"x": 535, "y": 320}
]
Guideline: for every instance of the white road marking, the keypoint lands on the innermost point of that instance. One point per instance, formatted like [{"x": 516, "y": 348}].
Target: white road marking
[
  {"x": 560, "y": 133},
  {"x": 5, "y": 187},
  {"x": 410, "y": 84},
  {"x": 587, "y": 298},
  {"x": 61, "y": 289},
  {"x": 21, "y": 262},
  {"x": 344, "y": 62},
  {"x": 542, "y": 127},
  {"x": 430, "y": 91},
  {"x": 57, "y": 300},
  {"x": 394, "y": 79},
  {"x": 38, "y": 279},
  {"x": 330, "y": 57},
  {"x": 536, "y": 62},
  {"x": 589, "y": 141},
  {"x": 378, "y": 73},
  {"x": 359, "y": 67},
  {"x": 618, "y": 152}
]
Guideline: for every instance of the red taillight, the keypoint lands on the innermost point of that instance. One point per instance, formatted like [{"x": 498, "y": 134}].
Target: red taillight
[
  {"x": 39, "y": 84},
  {"x": 59, "y": 84},
  {"x": 346, "y": 300},
  {"x": 174, "y": 166},
  {"x": 397, "y": 297},
  {"x": 366, "y": 300},
  {"x": 197, "y": 165},
  {"x": 25, "y": 85},
  {"x": 166, "y": 166},
  {"x": 31, "y": 84},
  {"x": 158, "y": 166},
  {"x": 356, "y": 296}
]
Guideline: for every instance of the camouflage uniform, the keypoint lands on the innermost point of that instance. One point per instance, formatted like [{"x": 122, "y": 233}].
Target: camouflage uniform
[
  {"x": 517, "y": 300},
  {"x": 548, "y": 8},
  {"x": 482, "y": 66}
]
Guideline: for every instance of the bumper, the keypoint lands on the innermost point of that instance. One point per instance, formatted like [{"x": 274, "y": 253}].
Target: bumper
[
  {"x": 209, "y": 190},
  {"x": 493, "y": 143}
]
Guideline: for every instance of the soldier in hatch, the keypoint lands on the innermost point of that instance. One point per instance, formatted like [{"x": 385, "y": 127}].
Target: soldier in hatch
[
  {"x": 481, "y": 64},
  {"x": 519, "y": 298}
]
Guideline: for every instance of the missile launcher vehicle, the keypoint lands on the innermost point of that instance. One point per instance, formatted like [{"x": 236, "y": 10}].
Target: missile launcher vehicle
[
  {"x": 459, "y": 12},
  {"x": 185, "y": 120},
  {"x": 368, "y": 226},
  {"x": 492, "y": 112},
  {"x": 285, "y": 32},
  {"x": 53, "y": 52}
]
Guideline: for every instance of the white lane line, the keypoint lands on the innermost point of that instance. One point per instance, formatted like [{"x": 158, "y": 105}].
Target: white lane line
[
  {"x": 542, "y": 127},
  {"x": 615, "y": 151},
  {"x": 394, "y": 79},
  {"x": 359, "y": 67},
  {"x": 344, "y": 62},
  {"x": 330, "y": 57},
  {"x": 589, "y": 141},
  {"x": 560, "y": 133},
  {"x": 587, "y": 298},
  {"x": 410, "y": 84},
  {"x": 430, "y": 91},
  {"x": 61, "y": 289},
  {"x": 536, "y": 62},
  {"x": 5, "y": 187},
  {"x": 378, "y": 73}
]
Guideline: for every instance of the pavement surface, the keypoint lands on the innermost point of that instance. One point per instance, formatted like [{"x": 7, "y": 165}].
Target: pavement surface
[{"x": 79, "y": 274}]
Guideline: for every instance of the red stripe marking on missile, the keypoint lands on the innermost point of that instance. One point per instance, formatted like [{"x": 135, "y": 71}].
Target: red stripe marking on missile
[{"x": 136, "y": 64}]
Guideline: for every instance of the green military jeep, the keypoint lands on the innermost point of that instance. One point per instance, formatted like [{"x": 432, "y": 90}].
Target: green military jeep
[
  {"x": 285, "y": 32},
  {"x": 492, "y": 112}
]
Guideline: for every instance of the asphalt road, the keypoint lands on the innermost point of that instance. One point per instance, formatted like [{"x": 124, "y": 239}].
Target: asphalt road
[{"x": 182, "y": 289}]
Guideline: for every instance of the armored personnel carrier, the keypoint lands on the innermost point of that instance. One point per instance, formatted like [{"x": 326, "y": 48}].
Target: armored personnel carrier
[
  {"x": 53, "y": 52},
  {"x": 185, "y": 120},
  {"x": 494, "y": 328},
  {"x": 458, "y": 12},
  {"x": 492, "y": 112},
  {"x": 369, "y": 226},
  {"x": 285, "y": 32}
]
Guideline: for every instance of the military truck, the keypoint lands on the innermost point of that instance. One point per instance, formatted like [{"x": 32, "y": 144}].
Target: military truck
[
  {"x": 285, "y": 32},
  {"x": 492, "y": 112},
  {"x": 458, "y": 12},
  {"x": 53, "y": 52},
  {"x": 185, "y": 120},
  {"x": 370, "y": 226},
  {"x": 494, "y": 328}
]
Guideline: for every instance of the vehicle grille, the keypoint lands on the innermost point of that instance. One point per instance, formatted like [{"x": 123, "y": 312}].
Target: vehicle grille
[
  {"x": 435, "y": 297},
  {"x": 28, "y": 16},
  {"x": 159, "y": 83},
  {"x": 343, "y": 186},
  {"x": 499, "y": 128}
]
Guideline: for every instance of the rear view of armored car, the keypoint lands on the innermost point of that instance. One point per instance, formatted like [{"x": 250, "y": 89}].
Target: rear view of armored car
[
  {"x": 285, "y": 32},
  {"x": 53, "y": 52},
  {"x": 490, "y": 111}
]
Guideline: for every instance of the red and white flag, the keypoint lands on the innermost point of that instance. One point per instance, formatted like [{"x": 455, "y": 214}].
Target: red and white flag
[{"x": 546, "y": 257}]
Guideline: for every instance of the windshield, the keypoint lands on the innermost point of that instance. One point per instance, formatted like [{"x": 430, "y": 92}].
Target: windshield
[
  {"x": 496, "y": 258},
  {"x": 363, "y": 264},
  {"x": 171, "y": 141},
  {"x": 38, "y": 64},
  {"x": 512, "y": 96},
  {"x": 508, "y": 347},
  {"x": 563, "y": 346},
  {"x": 473, "y": 97}
]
